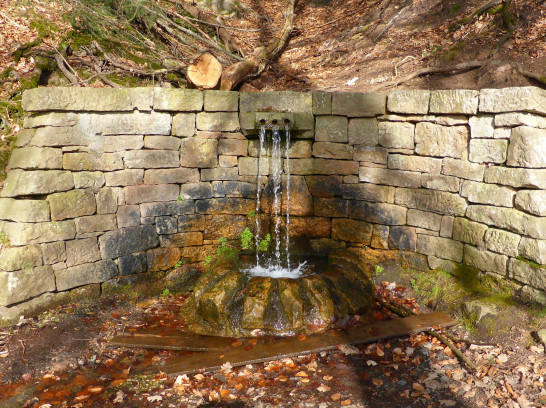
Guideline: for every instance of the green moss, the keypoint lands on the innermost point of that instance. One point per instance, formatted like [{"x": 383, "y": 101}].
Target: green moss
[{"x": 533, "y": 264}]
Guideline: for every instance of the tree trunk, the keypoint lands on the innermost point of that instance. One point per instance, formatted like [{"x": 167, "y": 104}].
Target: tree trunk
[
  {"x": 261, "y": 57},
  {"x": 204, "y": 72}
]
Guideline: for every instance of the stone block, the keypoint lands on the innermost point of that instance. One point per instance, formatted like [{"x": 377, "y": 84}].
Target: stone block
[
  {"x": 93, "y": 180},
  {"x": 162, "y": 259},
  {"x": 193, "y": 191},
  {"x": 22, "y": 285},
  {"x": 424, "y": 219},
  {"x": 82, "y": 251},
  {"x": 248, "y": 166},
  {"x": 440, "y": 182},
  {"x": 117, "y": 143},
  {"x": 132, "y": 264},
  {"x": 380, "y": 237},
  {"x": 171, "y": 176},
  {"x": 358, "y": 104},
  {"x": 378, "y": 213},
  {"x": 527, "y": 178},
  {"x": 435, "y": 263},
  {"x": 368, "y": 192},
  {"x": 26, "y": 183},
  {"x": 398, "y": 135},
  {"x": 24, "y": 210},
  {"x": 518, "y": 119},
  {"x": 440, "y": 202},
  {"x": 284, "y": 101},
  {"x": 469, "y": 232},
  {"x": 71, "y": 204},
  {"x": 414, "y": 163},
  {"x": 151, "y": 193},
  {"x": 55, "y": 137},
  {"x": 128, "y": 216},
  {"x": 57, "y": 119},
  {"x": 91, "y": 162},
  {"x": 24, "y": 137},
  {"x": 527, "y": 148},
  {"x": 324, "y": 186},
  {"x": 330, "y": 207},
  {"x": 322, "y": 166},
  {"x": 527, "y": 99},
  {"x": 228, "y": 161},
  {"x": 166, "y": 225},
  {"x": 232, "y": 147},
  {"x": 446, "y": 228},
  {"x": 150, "y": 159},
  {"x": 228, "y": 205},
  {"x": 87, "y": 99},
  {"x": 185, "y": 100},
  {"x": 301, "y": 201},
  {"x": 482, "y": 126},
  {"x": 95, "y": 223},
  {"x": 240, "y": 189},
  {"x": 396, "y": 178},
  {"x": 197, "y": 152},
  {"x": 454, "y": 101},
  {"x": 402, "y": 238},
  {"x": 15, "y": 258},
  {"x": 167, "y": 208},
  {"x": 194, "y": 222},
  {"x": 220, "y": 173},
  {"x": 182, "y": 239},
  {"x": 532, "y": 201},
  {"x": 183, "y": 124},
  {"x": 352, "y": 231},
  {"x": 221, "y": 101},
  {"x": 485, "y": 261},
  {"x": 218, "y": 189},
  {"x": 126, "y": 241},
  {"x": 54, "y": 252},
  {"x": 502, "y": 133},
  {"x": 533, "y": 249},
  {"x": 124, "y": 177},
  {"x": 463, "y": 169},
  {"x": 331, "y": 129},
  {"x": 322, "y": 103},
  {"x": 326, "y": 245},
  {"x": 438, "y": 140},
  {"x": 227, "y": 226},
  {"x": 488, "y": 150},
  {"x": 370, "y": 154},
  {"x": 363, "y": 131},
  {"x": 528, "y": 273},
  {"x": 85, "y": 274},
  {"x": 36, "y": 233},
  {"x": 134, "y": 123},
  {"x": 509, "y": 219},
  {"x": 32, "y": 158},
  {"x": 439, "y": 247},
  {"x": 408, "y": 101},
  {"x": 310, "y": 227},
  {"x": 484, "y": 193},
  {"x": 107, "y": 201},
  {"x": 218, "y": 121},
  {"x": 330, "y": 150},
  {"x": 502, "y": 242},
  {"x": 162, "y": 142}
]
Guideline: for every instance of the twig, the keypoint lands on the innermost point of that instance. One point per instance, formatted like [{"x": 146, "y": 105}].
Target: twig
[
  {"x": 104, "y": 79},
  {"x": 509, "y": 25},
  {"x": 389, "y": 24},
  {"x": 431, "y": 70},
  {"x": 24, "y": 349},
  {"x": 400, "y": 63},
  {"x": 60, "y": 63},
  {"x": 403, "y": 311}
]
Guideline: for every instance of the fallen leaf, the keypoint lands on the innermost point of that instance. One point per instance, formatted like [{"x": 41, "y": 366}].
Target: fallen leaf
[
  {"x": 377, "y": 382},
  {"x": 253, "y": 342},
  {"x": 301, "y": 374},
  {"x": 418, "y": 387},
  {"x": 120, "y": 396},
  {"x": 323, "y": 388},
  {"x": 95, "y": 390},
  {"x": 199, "y": 377},
  {"x": 347, "y": 349},
  {"x": 371, "y": 363},
  {"x": 327, "y": 377},
  {"x": 335, "y": 397},
  {"x": 346, "y": 402},
  {"x": 237, "y": 343},
  {"x": 224, "y": 393},
  {"x": 155, "y": 398},
  {"x": 226, "y": 367}
]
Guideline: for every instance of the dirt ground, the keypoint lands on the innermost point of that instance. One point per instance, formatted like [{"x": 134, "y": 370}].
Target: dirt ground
[{"x": 62, "y": 359}]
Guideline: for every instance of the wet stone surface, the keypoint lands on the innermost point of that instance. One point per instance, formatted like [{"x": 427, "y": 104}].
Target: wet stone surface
[{"x": 229, "y": 303}]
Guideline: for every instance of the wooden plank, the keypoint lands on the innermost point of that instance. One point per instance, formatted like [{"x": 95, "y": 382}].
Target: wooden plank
[
  {"x": 181, "y": 341},
  {"x": 266, "y": 350}
]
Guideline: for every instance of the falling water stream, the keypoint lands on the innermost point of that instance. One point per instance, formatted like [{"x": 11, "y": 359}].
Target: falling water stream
[{"x": 274, "y": 266}]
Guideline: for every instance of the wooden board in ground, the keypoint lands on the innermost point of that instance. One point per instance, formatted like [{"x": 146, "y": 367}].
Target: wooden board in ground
[
  {"x": 295, "y": 346},
  {"x": 170, "y": 340}
]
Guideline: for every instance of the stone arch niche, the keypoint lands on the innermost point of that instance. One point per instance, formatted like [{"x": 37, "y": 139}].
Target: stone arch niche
[{"x": 105, "y": 185}]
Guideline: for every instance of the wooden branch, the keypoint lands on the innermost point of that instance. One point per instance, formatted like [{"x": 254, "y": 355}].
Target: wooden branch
[
  {"x": 463, "y": 66},
  {"x": 104, "y": 79},
  {"x": 531, "y": 75},
  {"x": 509, "y": 25},
  {"x": 69, "y": 75},
  {"x": 261, "y": 57}
]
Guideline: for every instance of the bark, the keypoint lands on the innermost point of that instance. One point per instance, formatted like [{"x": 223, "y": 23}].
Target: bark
[{"x": 205, "y": 71}]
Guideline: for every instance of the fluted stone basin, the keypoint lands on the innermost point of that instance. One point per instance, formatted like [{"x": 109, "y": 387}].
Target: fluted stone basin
[{"x": 227, "y": 302}]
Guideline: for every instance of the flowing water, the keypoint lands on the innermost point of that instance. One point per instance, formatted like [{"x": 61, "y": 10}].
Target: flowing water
[{"x": 278, "y": 265}]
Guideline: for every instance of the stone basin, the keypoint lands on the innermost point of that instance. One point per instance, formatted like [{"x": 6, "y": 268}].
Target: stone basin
[{"x": 227, "y": 302}]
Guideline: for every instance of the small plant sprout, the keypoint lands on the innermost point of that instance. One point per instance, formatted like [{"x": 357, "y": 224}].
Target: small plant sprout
[
  {"x": 179, "y": 263},
  {"x": 378, "y": 269},
  {"x": 246, "y": 239},
  {"x": 166, "y": 292},
  {"x": 179, "y": 198},
  {"x": 208, "y": 260},
  {"x": 252, "y": 214},
  {"x": 264, "y": 243}
]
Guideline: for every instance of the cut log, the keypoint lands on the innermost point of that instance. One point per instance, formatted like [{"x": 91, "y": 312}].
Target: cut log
[{"x": 205, "y": 71}]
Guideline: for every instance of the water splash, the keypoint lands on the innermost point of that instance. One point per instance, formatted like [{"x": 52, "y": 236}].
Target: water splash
[
  {"x": 276, "y": 170},
  {"x": 259, "y": 193},
  {"x": 287, "y": 238}
]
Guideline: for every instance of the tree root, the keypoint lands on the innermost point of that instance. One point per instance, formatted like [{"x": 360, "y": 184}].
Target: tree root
[{"x": 405, "y": 312}]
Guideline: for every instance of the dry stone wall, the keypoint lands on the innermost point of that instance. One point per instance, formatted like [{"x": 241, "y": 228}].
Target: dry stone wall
[{"x": 107, "y": 184}]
